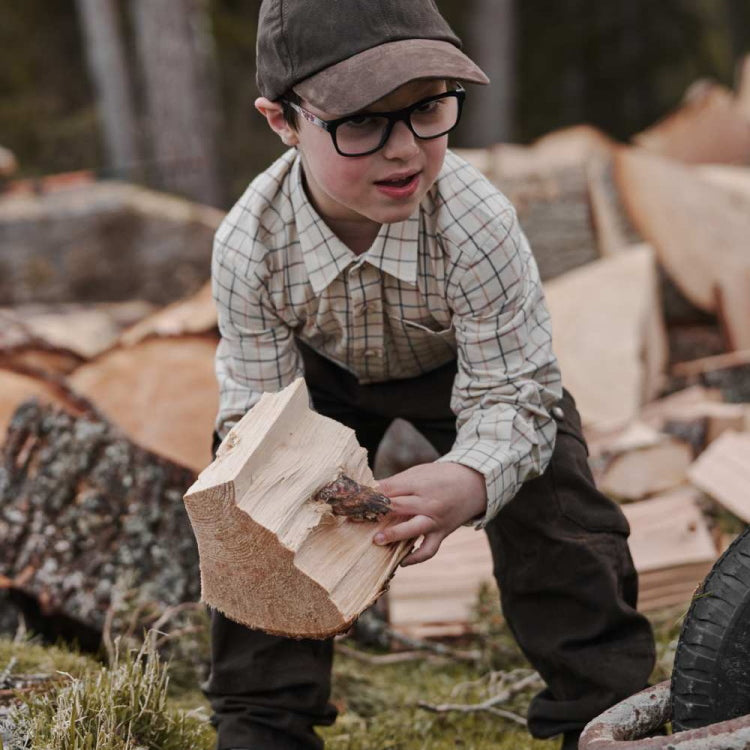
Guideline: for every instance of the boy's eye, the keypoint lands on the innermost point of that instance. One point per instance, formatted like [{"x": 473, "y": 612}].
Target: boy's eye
[
  {"x": 361, "y": 121},
  {"x": 427, "y": 107}
]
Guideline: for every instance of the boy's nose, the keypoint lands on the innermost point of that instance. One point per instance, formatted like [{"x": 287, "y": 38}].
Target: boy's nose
[{"x": 401, "y": 143}]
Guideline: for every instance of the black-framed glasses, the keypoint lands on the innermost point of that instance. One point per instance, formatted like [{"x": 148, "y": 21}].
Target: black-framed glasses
[{"x": 363, "y": 134}]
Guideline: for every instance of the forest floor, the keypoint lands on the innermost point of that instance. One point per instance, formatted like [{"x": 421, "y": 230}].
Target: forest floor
[{"x": 383, "y": 704}]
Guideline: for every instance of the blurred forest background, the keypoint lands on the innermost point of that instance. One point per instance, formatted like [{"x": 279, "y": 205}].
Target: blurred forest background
[{"x": 161, "y": 91}]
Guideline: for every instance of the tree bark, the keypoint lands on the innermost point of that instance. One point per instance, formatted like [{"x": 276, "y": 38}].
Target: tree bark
[
  {"x": 174, "y": 53},
  {"x": 85, "y": 514},
  {"x": 107, "y": 63}
]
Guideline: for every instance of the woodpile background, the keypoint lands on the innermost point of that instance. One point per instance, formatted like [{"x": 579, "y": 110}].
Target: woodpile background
[{"x": 106, "y": 322}]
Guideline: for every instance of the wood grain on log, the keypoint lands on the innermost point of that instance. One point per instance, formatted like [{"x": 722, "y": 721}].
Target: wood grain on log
[{"x": 272, "y": 555}]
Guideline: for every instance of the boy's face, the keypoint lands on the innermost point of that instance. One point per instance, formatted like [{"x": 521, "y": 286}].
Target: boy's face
[{"x": 383, "y": 187}]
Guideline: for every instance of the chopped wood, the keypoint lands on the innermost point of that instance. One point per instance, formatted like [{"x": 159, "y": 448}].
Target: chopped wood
[
  {"x": 609, "y": 335},
  {"x": 708, "y": 127},
  {"x": 102, "y": 241},
  {"x": 614, "y": 230},
  {"x": 671, "y": 546},
  {"x": 272, "y": 556},
  {"x": 699, "y": 230},
  {"x": 437, "y": 596},
  {"x": 161, "y": 392},
  {"x": 632, "y": 436},
  {"x": 18, "y": 385},
  {"x": 548, "y": 185},
  {"x": 657, "y": 413},
  {"x": 647, "y": 471},
  {"x": 85, "y": 511},
  {"x": 711, "y": 364},
  {"x": 196, "y": 314},
  {"x": 716, "y": 418},
  {"x": 729, "y": 373},
  {"x": 723, "y": 472}
]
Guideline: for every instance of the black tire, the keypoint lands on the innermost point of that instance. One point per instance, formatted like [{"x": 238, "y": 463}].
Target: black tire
[{"x": 711, "y": 675}]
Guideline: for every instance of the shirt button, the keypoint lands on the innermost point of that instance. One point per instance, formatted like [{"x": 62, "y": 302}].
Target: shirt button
[
  {"x": 372, "y": 353},
  {"x": 557, "y": 413}
]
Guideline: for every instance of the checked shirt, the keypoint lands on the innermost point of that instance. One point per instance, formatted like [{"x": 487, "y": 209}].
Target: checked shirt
[{"x": 455, "y": 280}]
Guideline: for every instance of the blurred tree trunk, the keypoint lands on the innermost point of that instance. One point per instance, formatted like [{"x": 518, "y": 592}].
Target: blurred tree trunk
[
  {"x": 491, "y": 35},
  {"x": 106, "y": 60},
  {"x": 175, "y": 53}
]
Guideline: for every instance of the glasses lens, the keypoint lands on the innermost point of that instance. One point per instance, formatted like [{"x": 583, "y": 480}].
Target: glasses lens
[
  {"x": 359, "y": 135},
  {"x": 433, "y": 118}
]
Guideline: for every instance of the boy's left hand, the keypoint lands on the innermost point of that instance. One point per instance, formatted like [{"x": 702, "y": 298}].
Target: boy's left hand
[{"x": 436, "y": 498}]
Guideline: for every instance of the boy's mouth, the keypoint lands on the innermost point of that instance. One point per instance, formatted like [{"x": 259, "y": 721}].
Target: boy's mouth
[
  {"x": 399, "y": 181},
  {"x": 399, "y": 186}
]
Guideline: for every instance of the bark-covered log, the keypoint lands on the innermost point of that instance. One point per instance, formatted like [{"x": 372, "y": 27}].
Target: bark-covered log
[{"x": 84, "y": 511}]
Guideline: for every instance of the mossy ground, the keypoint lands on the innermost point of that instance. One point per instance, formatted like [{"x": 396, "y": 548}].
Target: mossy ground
[{"x": 378, "y": 703}]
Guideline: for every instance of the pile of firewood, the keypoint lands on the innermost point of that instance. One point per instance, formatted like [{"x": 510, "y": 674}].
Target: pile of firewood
[{"x": 645, "y": 254}]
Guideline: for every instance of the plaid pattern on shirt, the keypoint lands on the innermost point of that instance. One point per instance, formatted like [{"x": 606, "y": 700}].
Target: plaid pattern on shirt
[{"x": 456, "y": 279}]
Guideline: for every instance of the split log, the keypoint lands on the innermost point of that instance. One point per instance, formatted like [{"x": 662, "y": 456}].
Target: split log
[
  {"x": 699, "y": 230},
  {"x": 609, "y": 335},
  {"x": 21, "y": 384},
  {"x": 548, "y": 184},
  {"x": 708, "y": 127},
  {"x": 728, "y": 373},
  {"x": 84, "y": 511},
  {"x": 196, "y": 314},
  {"x": 161, "y": 392},
  {"x": 276, "y": 553},
  {"x": 83, "y": 330},
  {"x": 671, "y": 546},
  {"x": 640, "y": 473},
  {"x": 723, "y": 472},
  {"x": 437, "y": 597}
]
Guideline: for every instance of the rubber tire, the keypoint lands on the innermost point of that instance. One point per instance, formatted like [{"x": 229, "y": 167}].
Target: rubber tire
[{"x": 711, "y": 674}]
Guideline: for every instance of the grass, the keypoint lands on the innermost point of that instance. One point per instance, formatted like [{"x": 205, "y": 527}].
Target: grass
[{"x": 135, "y": 705}]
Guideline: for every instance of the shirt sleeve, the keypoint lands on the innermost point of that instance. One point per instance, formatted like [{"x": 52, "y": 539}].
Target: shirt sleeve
[
  {"x": 508, "y": 377},
  {"x": 256, "y": 351}
]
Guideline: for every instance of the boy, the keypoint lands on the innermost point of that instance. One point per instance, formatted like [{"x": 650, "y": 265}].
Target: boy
[{"x": 396, "y": 278}]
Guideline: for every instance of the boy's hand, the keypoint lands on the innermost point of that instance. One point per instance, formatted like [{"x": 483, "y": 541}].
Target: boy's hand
[{"x": 436, "y": 499}]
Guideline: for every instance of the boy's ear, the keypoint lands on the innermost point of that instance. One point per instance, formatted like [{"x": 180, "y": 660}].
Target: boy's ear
[{"x": 274, "y": 114}]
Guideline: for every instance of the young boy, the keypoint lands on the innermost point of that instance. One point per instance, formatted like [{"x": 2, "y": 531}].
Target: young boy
[{"x": 397, "y": 279}]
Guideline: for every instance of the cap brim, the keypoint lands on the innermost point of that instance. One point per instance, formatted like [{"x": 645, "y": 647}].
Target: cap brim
[{"x": 358, "y": 81}]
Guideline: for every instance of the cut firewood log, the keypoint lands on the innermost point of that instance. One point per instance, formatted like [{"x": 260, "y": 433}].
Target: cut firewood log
[
  {"x": 18, "y": 385},
  {"x": 708, "y": 127},
  {"x": 548, "y": 185},
  {"x": 280, "y": 548},
  {"x": 640, "y": 473},
  {"x": 614, "y": 230},
  {"x": 728, "y": 373},
  {"x": 85, "y": 511},
  {"x": 609, "y": 335},
  {"x": 196, "y": 314},
  {"x": 161, "y": 392},
  {"x": 699, "y": 230},
  {"x": 723, "y": 472},
  {"x": 437, "y": 597},
  {"x": 671, "y": 546},
  {"x": 713, "y": 419}
]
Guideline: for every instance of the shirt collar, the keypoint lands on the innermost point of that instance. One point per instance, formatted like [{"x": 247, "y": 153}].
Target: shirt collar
[{"x": 394, "y": 250}]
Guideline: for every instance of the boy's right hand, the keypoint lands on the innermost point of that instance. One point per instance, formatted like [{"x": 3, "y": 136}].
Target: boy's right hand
[{"x": 435, "y": 499}]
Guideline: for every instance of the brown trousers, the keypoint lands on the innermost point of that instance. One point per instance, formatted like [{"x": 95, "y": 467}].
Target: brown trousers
[{"x": 567, "y": 583}]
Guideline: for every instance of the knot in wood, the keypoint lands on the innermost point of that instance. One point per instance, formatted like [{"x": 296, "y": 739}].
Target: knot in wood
[{"x": 353, "y": 500}]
